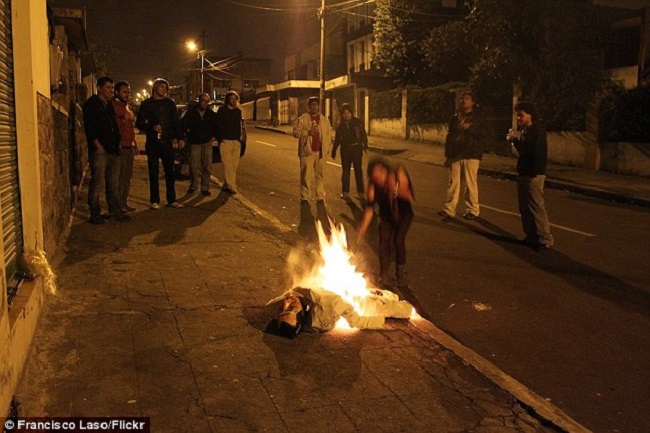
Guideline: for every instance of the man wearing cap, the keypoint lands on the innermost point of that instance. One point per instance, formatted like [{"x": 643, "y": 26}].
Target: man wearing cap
[
  {"x": 159, "y": 119},
  {"x": 314, "y": 134}
]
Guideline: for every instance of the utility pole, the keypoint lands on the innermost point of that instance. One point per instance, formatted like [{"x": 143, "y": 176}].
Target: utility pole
[
  {"x": 321, "y": 13},
  {"x": 202, "y": 52}
]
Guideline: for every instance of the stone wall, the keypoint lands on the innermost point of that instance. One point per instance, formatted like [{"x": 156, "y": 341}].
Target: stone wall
[
  {"x": 435, "y": 133},
  {"x": 389, "y": 128},
  {"x": 569, "y": 148},
  {"x": 626, "y": 158},
  {"x": 54, "y": 149}
]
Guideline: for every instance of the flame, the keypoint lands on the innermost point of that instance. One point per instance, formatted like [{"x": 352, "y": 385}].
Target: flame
[{"x": 335, "y": 272}]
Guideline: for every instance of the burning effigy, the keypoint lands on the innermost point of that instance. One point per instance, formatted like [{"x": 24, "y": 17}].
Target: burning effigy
[{"x": 330, "y": 292}]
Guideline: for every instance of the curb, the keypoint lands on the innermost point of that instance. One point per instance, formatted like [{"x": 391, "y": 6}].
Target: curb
[
  {"x": 572, "y": 187},
  {"x": 272, "y": 129}
]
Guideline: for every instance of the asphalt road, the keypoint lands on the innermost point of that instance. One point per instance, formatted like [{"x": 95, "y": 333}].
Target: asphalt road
[{"x": 573, "y": 324}]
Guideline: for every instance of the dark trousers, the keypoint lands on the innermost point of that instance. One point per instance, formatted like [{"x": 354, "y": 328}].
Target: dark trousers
[
  {"x": 352, "y": 156},
  {"x": 164, "y": 153},
  {"x": 393, "y": 234},
  {"x": 534, "y": 219},
  {"x": 105, "y": 173}
]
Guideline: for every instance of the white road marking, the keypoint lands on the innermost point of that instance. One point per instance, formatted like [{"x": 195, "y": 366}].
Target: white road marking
[
  {"x": 333, "y": 163},
  {"x": 568, "y": 229},
  {"x": 265, "y": 143}
]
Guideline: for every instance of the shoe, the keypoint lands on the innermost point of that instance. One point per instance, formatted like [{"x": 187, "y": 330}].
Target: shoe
[
  {"x": 444, "y": 214},
  {"x": 128, "y": 208},
  {"x": 191, "y": 190},
  {"x": 175, "y": 205},
  {"x": 122, "y": 217},
  {"x": 345, "y": 196},
  {"x": 97, "y": 219},
  {"x": 154, "y": 206},
  {"x": 469, "y": 216},
  {"x": 540, "y": 248},
  {"x": 206, "y": 193}
]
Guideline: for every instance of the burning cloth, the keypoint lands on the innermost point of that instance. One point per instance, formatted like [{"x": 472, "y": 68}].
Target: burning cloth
[{"x": 320, "y": 310}]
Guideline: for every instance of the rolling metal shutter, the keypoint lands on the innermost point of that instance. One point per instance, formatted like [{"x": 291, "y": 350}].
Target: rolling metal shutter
[{"x": 9, "y": 191}]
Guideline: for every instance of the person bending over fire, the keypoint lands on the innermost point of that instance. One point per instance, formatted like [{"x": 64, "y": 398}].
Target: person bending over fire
[{"x": 390, "y": 188}]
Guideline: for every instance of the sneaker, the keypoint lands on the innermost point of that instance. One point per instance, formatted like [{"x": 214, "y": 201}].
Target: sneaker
[
  {"x": 444, "y": 214},
  {"x": 345, "y": 196},
  {"x": 128, "y": 208},
  {"x": 206, "y": 193},
  {"x": 469, "y": 216},
  {"x": 540, "y": 248},
  {"x": 175, "y": 205},
  {"x": 154, "y": 206},
  {"x": 191, "y": 190}
]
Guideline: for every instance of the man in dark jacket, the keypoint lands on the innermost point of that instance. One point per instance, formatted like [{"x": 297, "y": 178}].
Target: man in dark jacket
[
  {"x": 200, "y": 127},
  {"x": 158, "y": 118},
  {"x": 102, "y": 133},
  {"x": 351, "y": 137},
  {"x": 531, "y": 146},
  {"x": 464, "y": 151}
]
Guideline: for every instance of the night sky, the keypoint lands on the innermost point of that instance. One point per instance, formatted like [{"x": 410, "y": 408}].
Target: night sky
[{"x": 145, "y": 39}]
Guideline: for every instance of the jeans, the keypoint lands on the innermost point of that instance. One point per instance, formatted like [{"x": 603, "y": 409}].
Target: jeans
[
  {"x": 351, "y": 156},
  {"x": 469, "y": 168},
  {"x": 105, "y": 172},
  {"x": 164, "y": 152},
  {"x": 534, "y": 218},
  {"x": 201, "y": 165},
  {"x": 126, "y": 173}
]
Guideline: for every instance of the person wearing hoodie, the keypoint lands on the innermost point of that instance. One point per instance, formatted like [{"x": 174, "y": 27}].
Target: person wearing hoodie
[
  {"x": 128, "y": 146},
  {"x": 158, "y": 118},
  {"x": 102, "y": 133}
]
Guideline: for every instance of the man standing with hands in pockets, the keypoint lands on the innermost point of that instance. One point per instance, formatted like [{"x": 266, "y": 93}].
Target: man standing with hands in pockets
[{"x": 199, "y": 124}]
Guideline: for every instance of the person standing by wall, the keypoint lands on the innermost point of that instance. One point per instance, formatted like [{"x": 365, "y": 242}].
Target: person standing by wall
[
  {"x": 159, "y": 119},
  {"x": 231, "y": 134},
  {"x": 314, "y": 134},
  {"x": 200, "y": 127},
  {"x": 390, "y": 188},
  {"x": 352, "y": 139},
  {"x": 532, "y": 148},
  {"x": 128, "y": 146},
  {"x": 102, "y": 133},
  {"x": 463, "y": 152}
]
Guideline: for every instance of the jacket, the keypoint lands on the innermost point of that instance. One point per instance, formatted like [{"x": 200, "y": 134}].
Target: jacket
[
  {"x": 466, "y": 143},
  {"x": 197, "y": 129},
  {"x": 159, "y": 112},
  {"x": 100, "y": 123},
  {"x": 125, "y": 121},
  {"x": 359, "y": 133},
  {"x": 301, "y": 131},
  {"x": 532, "y": 149},
  {"x": 230, "y": 125}
]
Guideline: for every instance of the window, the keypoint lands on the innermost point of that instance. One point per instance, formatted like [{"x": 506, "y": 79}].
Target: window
[{"x": 251, "y": 84}]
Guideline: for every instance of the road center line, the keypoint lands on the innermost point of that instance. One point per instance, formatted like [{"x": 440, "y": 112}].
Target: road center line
[
  {"x": 265, "y": 143},
  {"x": 568, "y": 229}
]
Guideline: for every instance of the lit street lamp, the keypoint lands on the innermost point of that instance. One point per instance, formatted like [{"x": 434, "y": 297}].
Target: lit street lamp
[{"x": 192, "y": 47}]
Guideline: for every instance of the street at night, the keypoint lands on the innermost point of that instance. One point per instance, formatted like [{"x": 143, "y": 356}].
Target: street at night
[{"x": 186, "y": 245}]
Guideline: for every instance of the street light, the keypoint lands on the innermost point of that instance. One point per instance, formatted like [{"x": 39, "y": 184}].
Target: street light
[
  {"x": 192, "y": 47},
  {"x": 150, "y": 82}
]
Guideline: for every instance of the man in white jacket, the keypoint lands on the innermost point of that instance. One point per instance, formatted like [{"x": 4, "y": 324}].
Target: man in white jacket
[{"x": 314, "y": 134}]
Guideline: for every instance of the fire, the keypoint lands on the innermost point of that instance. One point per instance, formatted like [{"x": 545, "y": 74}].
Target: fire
[{"x": 335, "y": 272}]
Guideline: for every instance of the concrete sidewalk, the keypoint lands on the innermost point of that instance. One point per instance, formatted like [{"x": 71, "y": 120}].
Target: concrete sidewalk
[
  {"x": 163, "y": 316},
  {"x": 599, "y": 184}
]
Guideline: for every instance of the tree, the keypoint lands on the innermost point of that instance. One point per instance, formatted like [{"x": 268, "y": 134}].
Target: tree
[
  {"x": 399, "y": 28},
  {"x": 551, "y": 51}
]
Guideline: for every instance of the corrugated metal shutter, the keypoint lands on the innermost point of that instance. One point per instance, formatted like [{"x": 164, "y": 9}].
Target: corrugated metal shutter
[{"x": 9, "y": 191}]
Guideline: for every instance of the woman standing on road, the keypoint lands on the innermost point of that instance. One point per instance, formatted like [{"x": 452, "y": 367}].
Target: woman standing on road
[
  {"x": 390, "y": 188},
  {"x": 351, "y": 137}
]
